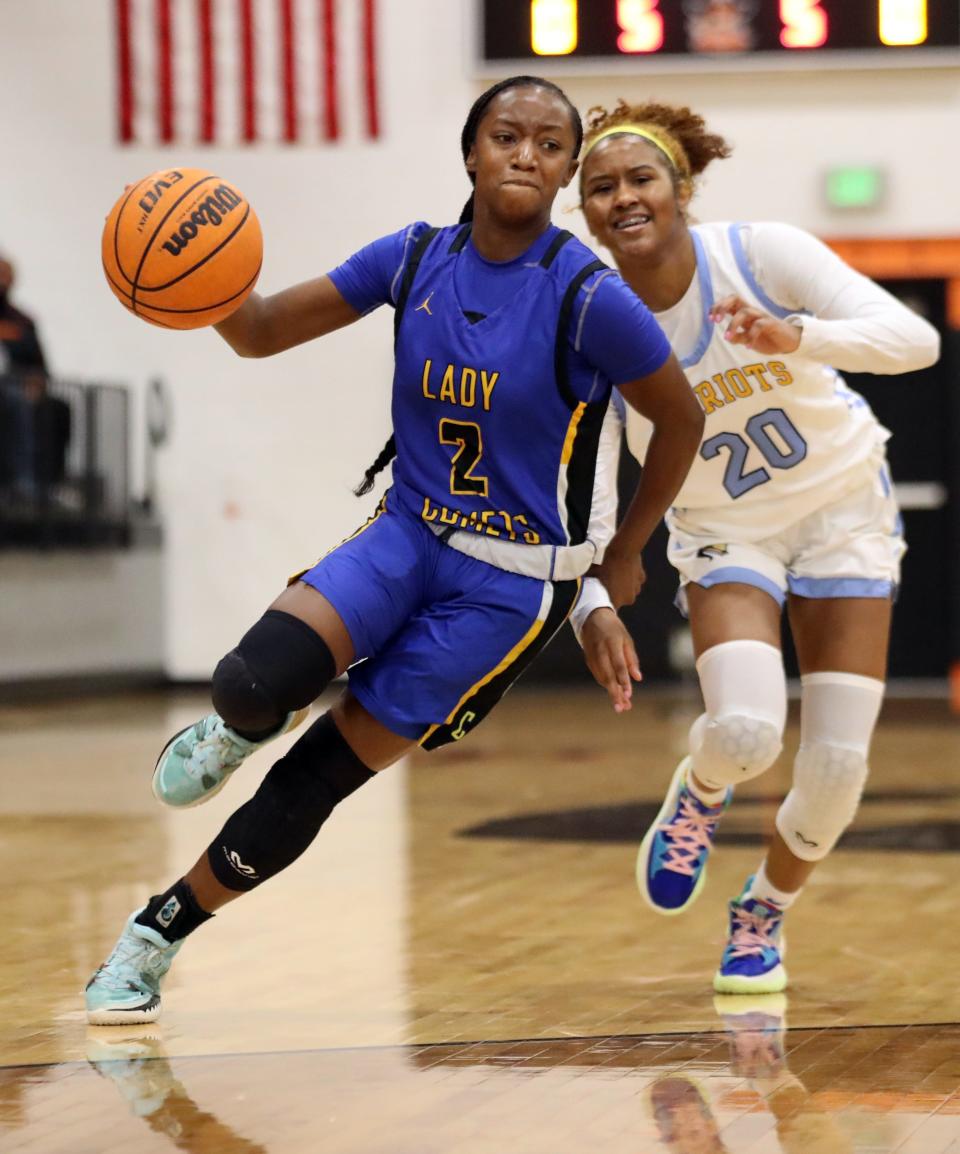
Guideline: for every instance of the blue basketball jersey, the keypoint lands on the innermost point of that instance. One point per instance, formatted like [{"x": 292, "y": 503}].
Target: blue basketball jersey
[
  {"x": 501, "y": 385},
  {"x": 490, "y": 436}
]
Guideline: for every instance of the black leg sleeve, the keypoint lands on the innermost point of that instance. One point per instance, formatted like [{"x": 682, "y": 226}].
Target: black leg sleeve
[{"x": 285, "y": 814}]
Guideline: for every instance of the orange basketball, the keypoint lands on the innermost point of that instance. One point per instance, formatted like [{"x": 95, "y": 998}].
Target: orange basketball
[{"x": 182, "y": 248}]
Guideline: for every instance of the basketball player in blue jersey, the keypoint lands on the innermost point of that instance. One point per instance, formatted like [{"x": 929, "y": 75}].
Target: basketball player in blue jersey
[
  {"x": 788, "y": 499},
  {"x": 509, "y": 336}
]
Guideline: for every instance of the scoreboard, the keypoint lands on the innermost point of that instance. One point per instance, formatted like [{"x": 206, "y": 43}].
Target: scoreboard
[{"x": 709, "y": 35}]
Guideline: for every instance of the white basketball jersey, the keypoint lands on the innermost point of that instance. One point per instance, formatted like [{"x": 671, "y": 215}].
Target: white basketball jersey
[{"x": 784, "y": 435}]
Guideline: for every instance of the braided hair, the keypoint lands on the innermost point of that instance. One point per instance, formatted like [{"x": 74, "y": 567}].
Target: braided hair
[
  {"x": 467, "y": 140},
  {"x": 380, "y": 462}
]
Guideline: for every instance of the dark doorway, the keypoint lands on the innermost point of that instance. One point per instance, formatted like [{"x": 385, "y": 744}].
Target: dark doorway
[{"x": 918, "y": 409}]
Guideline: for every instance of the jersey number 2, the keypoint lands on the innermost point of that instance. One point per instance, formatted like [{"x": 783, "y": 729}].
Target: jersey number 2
[
  {"x": 735, "y": 479},
  {"x": 467, "y": 436}
]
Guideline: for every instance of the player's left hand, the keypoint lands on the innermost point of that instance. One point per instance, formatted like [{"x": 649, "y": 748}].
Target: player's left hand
[
  {"x": 751, "y": 326},
  {"x": 611, "y": 656}
]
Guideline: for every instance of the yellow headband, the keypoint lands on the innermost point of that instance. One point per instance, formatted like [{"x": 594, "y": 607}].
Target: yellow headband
[{"x": 672, "y": 150}]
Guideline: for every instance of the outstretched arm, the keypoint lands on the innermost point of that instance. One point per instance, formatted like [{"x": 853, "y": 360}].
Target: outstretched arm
[
  {"x": 853, "y": 325},
  {"x": 263, "y": 326},
  {"x": 608, "y": 648},
  {"x": 667, "y": 401}
]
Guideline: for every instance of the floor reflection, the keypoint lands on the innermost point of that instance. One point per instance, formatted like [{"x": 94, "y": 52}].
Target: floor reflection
[
  {"x": 689, "y": 1122},
  {"x": 751, "y": 1087},
  {"x": 138, "y": 1067}
]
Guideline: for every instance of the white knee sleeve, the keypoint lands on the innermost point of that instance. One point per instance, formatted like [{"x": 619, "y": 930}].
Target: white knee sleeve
[
  {"x": 838, "y": 716},
  {"x": 827, "y": 783},
  {"x": 744, "y": 690}
]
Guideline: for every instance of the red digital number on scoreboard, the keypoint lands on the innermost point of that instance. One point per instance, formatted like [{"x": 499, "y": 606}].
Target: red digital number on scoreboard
[
  {"x": 805, "y": 24},
  {"x": 641, "y": 26}
]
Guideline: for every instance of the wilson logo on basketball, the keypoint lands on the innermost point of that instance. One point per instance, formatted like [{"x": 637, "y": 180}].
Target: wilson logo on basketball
[{"x": 211, "y": 211}]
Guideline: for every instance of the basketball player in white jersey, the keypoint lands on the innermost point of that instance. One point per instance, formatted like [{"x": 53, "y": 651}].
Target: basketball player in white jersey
[{"x": 788, "y": 501}]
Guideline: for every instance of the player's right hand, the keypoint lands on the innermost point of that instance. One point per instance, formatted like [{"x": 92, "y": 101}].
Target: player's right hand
[
  {"x": 758, "y": 330},
  {"x": 611, "y": 656}
]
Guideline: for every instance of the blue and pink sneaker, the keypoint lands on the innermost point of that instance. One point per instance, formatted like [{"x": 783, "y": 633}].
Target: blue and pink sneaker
[
  {"x": 672, "y": 861},
  {"x": 752, "y": 963}
]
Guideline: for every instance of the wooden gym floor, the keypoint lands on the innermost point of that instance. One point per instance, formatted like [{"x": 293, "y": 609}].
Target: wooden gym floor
[{"x": 461, "y": 962}]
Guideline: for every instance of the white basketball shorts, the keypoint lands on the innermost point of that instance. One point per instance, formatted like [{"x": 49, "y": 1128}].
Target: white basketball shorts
[{"x": 849, "y": 548}]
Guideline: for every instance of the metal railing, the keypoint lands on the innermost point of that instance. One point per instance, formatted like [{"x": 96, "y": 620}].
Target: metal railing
[{"x": 64, "y": 463}]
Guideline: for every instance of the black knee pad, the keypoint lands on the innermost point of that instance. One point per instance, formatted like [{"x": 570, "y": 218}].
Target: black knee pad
[
  {"x": 285, "y": 814},
  {"x": 243, "y": 703},
  {"x": 280, "y": 665}
]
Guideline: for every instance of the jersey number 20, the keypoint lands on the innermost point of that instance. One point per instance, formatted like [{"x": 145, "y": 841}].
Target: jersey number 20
[{"x": 736, "y": 480}]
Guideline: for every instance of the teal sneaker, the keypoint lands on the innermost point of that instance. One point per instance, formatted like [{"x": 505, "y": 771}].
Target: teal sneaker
[
  {"x": 197, "y": 762},
  {"x": 672, "y": 860},
  {"x": 126, "y": 988},
  {"x": 752, "y": 963}
]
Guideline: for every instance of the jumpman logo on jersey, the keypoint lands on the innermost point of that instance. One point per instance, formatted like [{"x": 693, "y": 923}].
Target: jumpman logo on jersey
[{"x": 426, "y": 305}]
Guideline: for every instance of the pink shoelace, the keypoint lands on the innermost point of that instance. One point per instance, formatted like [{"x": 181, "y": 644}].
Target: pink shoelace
[
  {"x": 752, "y": 933},
  {"x": 691, "y": 832}
]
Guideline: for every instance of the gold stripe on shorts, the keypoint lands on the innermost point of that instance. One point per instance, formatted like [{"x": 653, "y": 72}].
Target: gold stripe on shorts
[{"x": 524, "y": 643}]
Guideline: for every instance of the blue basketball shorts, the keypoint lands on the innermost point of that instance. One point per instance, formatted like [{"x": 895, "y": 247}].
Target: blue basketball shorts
[{"x": 438, "y": 637}]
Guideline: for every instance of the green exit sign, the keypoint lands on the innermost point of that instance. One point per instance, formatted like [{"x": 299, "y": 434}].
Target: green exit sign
[{"x": 855, "y": 186}]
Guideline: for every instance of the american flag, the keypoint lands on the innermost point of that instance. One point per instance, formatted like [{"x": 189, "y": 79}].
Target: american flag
[{"x": 235, "y": 72}]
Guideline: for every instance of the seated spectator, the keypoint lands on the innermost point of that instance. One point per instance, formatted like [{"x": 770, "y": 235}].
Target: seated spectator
[
  {"x": 34, "y": 426},
  {"x": 20, "y": 351}
]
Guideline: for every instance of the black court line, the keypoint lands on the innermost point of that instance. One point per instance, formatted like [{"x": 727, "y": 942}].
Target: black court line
[{"x": 417, "y": 1047}]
